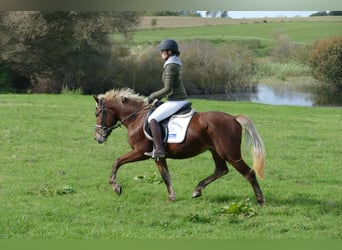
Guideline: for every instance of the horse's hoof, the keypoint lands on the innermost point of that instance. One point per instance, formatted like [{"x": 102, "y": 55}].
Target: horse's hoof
[
  {"x": 196, "y": 194},
  {"x": 118, "y": 190},
  {"x": 261, "y": 203},
  {"x": 172, "y": 198}
]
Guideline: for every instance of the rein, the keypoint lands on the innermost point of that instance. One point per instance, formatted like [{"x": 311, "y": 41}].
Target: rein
[{"x": 108, "y": 130}]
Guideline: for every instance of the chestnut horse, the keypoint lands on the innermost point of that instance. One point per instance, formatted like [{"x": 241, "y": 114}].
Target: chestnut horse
[{"x": 218, "y": 132}]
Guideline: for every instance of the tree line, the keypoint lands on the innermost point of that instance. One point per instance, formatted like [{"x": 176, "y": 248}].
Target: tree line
[
  {"x": 48, "y": 52},
  {"x": 44, "y": 51},
  {"x": 53, "y": 51}
]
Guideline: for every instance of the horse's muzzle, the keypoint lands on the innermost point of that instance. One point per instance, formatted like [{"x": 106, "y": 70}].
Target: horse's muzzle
[{"x": 99, "y": 138}]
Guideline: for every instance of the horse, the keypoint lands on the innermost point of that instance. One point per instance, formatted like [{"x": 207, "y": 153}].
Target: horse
[{"x": 218, "y": 132}]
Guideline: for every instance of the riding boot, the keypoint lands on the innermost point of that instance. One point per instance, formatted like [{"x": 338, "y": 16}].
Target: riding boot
[{"x": 158, "y": 149}]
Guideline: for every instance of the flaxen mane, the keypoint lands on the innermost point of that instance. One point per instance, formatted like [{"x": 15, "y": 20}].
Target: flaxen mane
[{"x": 118, "y": 95}]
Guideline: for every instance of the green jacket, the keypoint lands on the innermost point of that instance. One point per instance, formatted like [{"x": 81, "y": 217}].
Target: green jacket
[{"x": 173, "y": 88}]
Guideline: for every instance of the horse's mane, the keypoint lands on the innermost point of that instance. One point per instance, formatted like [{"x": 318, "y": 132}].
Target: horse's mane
[{"x": 118, "y": 95}]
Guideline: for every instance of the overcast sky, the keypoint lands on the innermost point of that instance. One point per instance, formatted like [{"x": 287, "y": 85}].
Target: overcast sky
[{"x": 261, "y": 14}]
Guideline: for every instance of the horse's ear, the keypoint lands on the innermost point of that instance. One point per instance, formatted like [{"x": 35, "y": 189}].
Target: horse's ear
[{"x": 96, "y": 98}]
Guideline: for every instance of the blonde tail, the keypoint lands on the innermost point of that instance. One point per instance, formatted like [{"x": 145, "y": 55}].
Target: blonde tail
[{"x": 258, "y": 150}]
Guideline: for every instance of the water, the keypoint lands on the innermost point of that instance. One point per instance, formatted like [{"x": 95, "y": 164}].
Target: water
[{"x": 282, "y": 95}]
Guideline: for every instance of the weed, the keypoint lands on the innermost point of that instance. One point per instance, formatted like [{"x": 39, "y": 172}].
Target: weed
[
  {"x": 242, "y": 209},
  {"x": 49, "y": 191},
  {"x": 153, "y": 178}
]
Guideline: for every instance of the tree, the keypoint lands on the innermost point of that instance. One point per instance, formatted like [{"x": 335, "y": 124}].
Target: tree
[
  {"x": 224, "y": 14},
  {"x": 320, "y": 13},
  {"x": 326, "y": 61},
  {"x": 335, "y": 13},
  {"x": 154, "y": 22},
  {"x": 69, "y": 48}
]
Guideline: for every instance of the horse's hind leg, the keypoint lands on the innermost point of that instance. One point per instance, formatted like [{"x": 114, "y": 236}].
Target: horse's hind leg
[
  {"x": 164, "y": 172},
  {"x": 220, "y": 170},
  {"x": 249, "y": 174}
]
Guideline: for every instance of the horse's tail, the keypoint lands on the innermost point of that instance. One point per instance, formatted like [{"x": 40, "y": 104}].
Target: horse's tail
[{"x": 258, "y": 150}]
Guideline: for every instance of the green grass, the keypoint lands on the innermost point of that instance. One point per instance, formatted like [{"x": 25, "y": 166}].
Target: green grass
[
  {"x": 53, "y": 181},
  {"x": 300, "y": 32}
]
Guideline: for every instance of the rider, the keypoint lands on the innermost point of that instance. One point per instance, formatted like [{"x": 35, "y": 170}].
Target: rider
[{"x": 173, "y": 90}]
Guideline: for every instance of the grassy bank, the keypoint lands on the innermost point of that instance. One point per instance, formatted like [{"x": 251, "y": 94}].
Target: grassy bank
[{"x": 53, "y": 182}]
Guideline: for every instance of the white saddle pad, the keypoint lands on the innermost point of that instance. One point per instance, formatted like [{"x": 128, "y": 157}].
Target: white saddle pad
[{"x": 177, "y": 127}]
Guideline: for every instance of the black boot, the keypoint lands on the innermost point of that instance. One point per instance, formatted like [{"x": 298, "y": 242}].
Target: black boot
[{"x": 158, "y": 149}]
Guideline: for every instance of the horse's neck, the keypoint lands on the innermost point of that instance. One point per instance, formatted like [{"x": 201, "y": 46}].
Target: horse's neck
[
  {"x": 130, "y": 114},
  {"x": 135, "y": 122}
]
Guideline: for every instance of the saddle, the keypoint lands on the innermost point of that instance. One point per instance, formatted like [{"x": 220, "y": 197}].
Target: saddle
[{"x": 185, "y": 113}]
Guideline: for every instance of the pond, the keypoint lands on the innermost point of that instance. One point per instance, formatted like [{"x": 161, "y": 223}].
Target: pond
[{"x": 281, "y": 95}]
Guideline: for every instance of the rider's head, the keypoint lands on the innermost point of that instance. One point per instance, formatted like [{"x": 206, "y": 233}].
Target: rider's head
[{"x": 170, "y": 46}]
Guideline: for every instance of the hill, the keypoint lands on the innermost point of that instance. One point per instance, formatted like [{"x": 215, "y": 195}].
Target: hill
[
  {"x": 177, "y": 22},
  {"x": 299, "y": 30}
]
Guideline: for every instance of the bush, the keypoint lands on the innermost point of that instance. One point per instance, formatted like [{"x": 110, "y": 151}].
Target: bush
[
  {"x": 5, "y": 81},
  {"x": 326, "y": 61},
  {"x": 11, "y": 82},
  {"x": 146, "y": 71},
  {"x": 286, "y": 51},
  {"x": 282, "y": 49},
  {"x": 207, "y": 69}
]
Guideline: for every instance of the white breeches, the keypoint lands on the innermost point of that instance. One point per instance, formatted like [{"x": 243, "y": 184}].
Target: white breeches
[{"x": 166, "y": 109}]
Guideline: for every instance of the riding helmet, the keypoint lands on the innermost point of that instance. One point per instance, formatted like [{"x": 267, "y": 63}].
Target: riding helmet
[{"x": 169, "y": 44}]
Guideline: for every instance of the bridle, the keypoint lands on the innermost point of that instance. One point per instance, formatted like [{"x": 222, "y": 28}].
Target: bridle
[
  {"x": 105, "y": 130},
  {"x": 108, "y": 130}
]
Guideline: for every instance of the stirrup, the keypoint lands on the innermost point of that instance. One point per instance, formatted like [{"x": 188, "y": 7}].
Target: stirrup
[{"x": 155, "y": 156}]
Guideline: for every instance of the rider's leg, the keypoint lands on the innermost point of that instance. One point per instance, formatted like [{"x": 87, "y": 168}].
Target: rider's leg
[{"x": 158, "y": 151}]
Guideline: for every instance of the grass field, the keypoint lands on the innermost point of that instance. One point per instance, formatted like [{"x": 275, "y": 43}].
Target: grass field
[
  {"x": 299, "y": 30},
  {"x": 53, "y": 181}
]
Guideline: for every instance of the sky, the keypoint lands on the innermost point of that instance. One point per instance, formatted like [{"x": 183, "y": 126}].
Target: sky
[{"x": 261, "y": 14}]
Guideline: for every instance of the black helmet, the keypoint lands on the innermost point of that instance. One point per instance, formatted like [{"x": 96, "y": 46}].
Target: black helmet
[{"x": 169, "y": 44}]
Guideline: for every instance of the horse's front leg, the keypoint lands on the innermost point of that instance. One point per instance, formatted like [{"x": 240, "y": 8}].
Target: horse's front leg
[
  {"x": 112, "y": 178},
  {"x": 131, "y": 156},
  {"x": 164, "y": 172}
]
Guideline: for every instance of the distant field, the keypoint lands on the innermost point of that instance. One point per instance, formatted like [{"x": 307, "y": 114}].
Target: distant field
[
  {"x": 177, "y": 22},
  {"x": 300, "y": 30}
]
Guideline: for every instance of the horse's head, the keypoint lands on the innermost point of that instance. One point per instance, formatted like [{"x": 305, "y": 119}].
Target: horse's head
[{"x": 105, "y": 121}]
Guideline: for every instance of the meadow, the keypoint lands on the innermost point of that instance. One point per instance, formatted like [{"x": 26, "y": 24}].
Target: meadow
[
  {"x": 299, "y": 30},
  {"x": 53, "y": 181}
]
